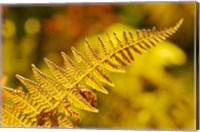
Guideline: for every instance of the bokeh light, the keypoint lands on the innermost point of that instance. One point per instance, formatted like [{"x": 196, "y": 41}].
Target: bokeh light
[
  {"x": 32, "y": 26},
  {"x": 9, "y": 28}
]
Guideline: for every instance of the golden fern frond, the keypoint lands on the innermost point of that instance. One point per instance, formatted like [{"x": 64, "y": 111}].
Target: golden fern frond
[
  {"x": 90, "y": 52},
  {"x": 109, "y": 65},
  {"x": 122, "y": 53},
  {"x": 56, "y": 90},
  {"x": 95, "y": 84},
  {"x": 140, "y": 41},
  {"x": 22, "y": 101},
  {"x": 13, "y": 117},
  {"x": 137, "y": 42},
  {"x": 41, "y": 96},
  {"x": 101, "y": 47},
  {"x": 79, "y": 75},
  {"x": 72, "y": 68},
  {"x": 50, "y": 93},
  {"x": 79, "y": 101},
  {"x": 111, "y": 46},
  {"x": 95, "y": 69},
  {"x": 60, "y": 74},
  {"x": 48, "y": 83}
]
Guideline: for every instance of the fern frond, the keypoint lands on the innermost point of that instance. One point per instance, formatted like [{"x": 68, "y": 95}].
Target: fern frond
[
  {"x": 102, "y": 76},
  {"x": 90, "y": 52},
  {"x": 47, "y": 100},
  {"x": 77, "y": 99},
  {"x": 39, "y": 94},
  {"x": 56, "y": 90},
  {"x": 101, "y": 48},
  {"x": 94, "y": 83},
  {"x": 72, "y": 69},
  {"x": 79, "y": 57},
  {"x": 127, "y": 42},
  {"x": 48, "y": 83},
  {"x": 79, "y": 75},
  {"x": 138, "y": 42},
  {"x": 109, "y": 65},
  {"x": 60, "y": 74},
  {"x": 151, "y": 36},
  {"x": 16, "y": 118},
  {"x": 23, "y": 102},
  {"x": 111, "y": 46},
  {"x": 97, "y": 71}
]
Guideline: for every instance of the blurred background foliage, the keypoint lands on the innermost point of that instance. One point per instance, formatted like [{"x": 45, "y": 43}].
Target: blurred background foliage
[{"x": 157, "y": 90}]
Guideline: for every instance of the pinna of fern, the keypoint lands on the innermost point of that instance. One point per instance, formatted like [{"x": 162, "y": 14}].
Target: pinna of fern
[{"x": 48, "y": 100}]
